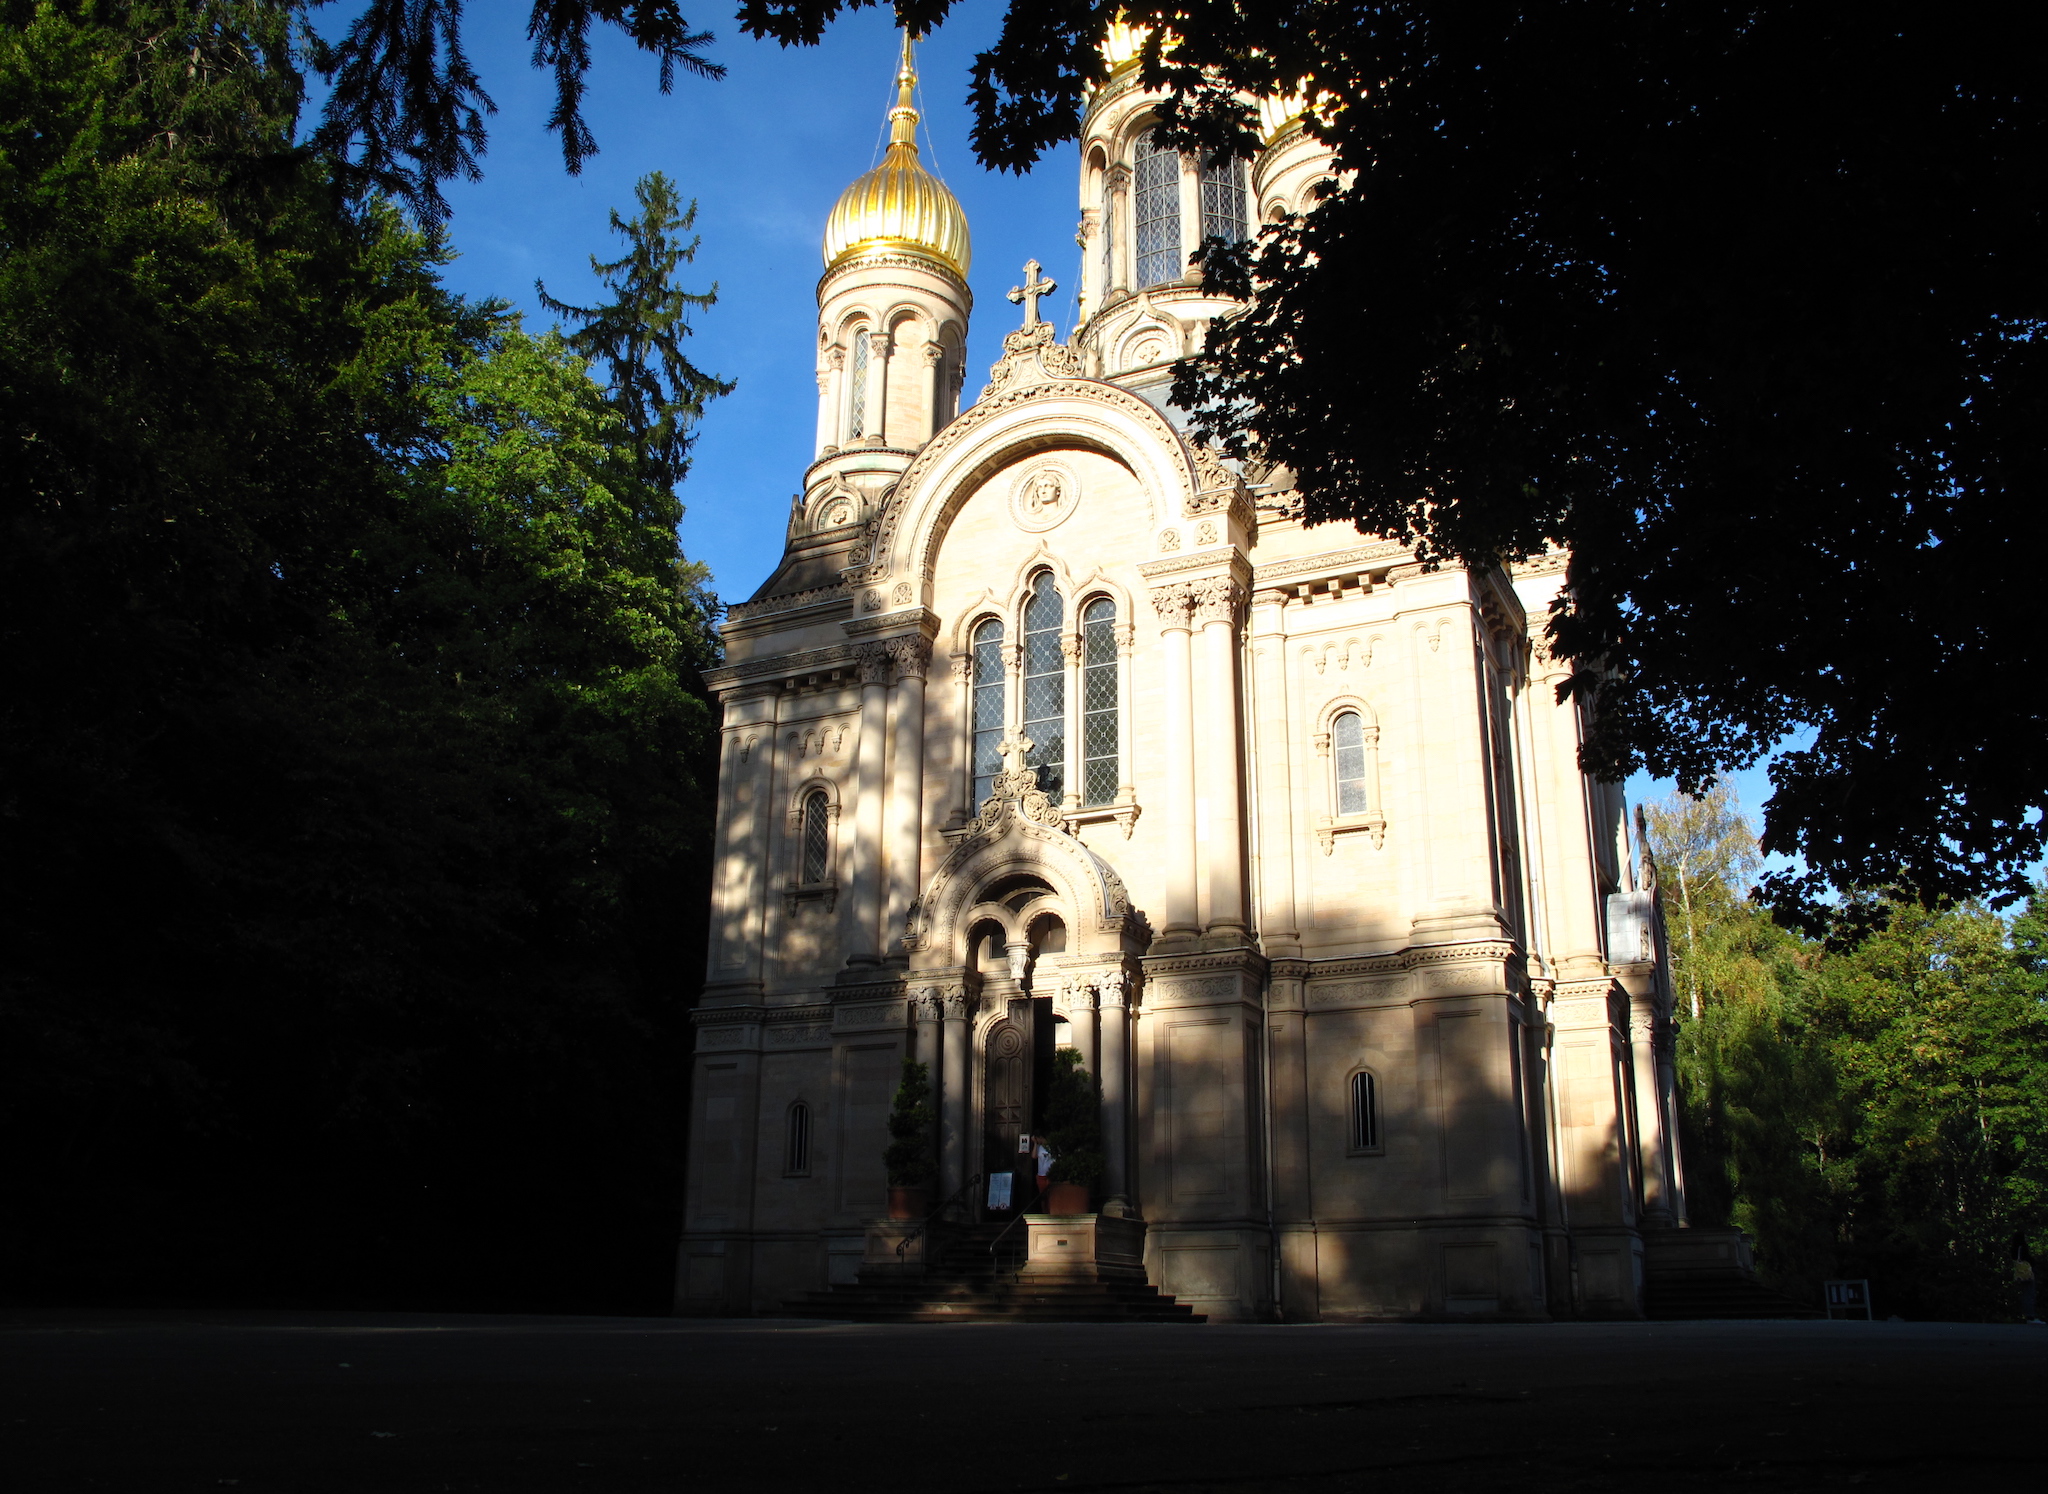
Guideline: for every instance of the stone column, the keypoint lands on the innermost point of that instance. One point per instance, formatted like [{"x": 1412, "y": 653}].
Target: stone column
[
  {"x": 1081, "y": 1017},
  {"x": 1116, "y": 1094},
  {"x": 1658, "y": 1209},
  {"x": 1216, "y": 603},
  {"x": 1274, "y": 776},
  {"x": 1173, "y": 603},
  {"x": 953, "y": 1094},
  {"x": 1077, "y": 752},
  {"x": 912, "y": 656},
  {"x": 876, "y": 422},
  {"x": 930, "y": 1013},
  {"x": 828, "y": 399},
  {"x": 933, "y": 354},
  {"x": 864, "y": 872}
]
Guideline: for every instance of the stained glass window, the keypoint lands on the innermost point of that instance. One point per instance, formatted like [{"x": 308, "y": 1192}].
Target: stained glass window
[
  {"x": 988, "y": 707},
  {"x": 1348, "y": 737},
  {"x": 1223, "y": 212},
  {"x": 1098, "y": 703},
  {"x": 1045, "y": 685},
  {"x": 817, "y": 838},
  {"x": 856, "y": 420},
  {"x": 1156, "y": 187}
]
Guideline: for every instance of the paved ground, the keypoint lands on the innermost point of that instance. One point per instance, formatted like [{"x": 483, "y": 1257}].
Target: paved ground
[{"x": 395, "y": 1404}]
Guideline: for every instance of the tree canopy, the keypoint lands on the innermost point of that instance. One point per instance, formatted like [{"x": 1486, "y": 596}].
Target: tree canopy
[
  {"x": 356, "y": 773},
  {"x": 1741, "y": 304}
]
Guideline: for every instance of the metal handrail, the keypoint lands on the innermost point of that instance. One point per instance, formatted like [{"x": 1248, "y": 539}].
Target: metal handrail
[
  {"x": 1036, "y": 1198},
  {"x": 966, "y": 1190}
]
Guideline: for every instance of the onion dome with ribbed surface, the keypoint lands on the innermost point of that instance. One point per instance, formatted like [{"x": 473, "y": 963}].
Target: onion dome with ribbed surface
[{"x": 899, "y": 205}]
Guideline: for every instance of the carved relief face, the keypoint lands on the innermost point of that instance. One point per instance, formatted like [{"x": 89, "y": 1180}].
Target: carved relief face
[
  {"x": 1046, "y": 492},
  {"x": 1044, "y": 497}
]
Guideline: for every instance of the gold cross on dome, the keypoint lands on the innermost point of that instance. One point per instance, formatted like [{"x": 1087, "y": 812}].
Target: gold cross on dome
[
  {"x": 1012, "y": 750},
  {"x": 1028, "y": 293}
]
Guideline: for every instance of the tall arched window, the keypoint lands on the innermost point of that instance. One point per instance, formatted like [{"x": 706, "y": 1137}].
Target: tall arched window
[
  {"x": 1155, "y": 186},
  {"x": 796, "y": 1156},
  {"x": 817, "y": 838},
  {"x": 1347, "y": 736},
  {"x": 1365, "y": 1112},
  {"x": 857, "y": 397},
  {"x": 1098, "y": 703},
  {"x": 988, "y": 707},
  {"x": 1045, "y": 685},
  {"x": 1223, "y": 210}
]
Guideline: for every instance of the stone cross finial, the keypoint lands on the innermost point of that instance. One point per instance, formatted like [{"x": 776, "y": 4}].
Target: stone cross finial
[
  {"x": 1028, "y": 293},
  {"x": 1012, "y": 750}
]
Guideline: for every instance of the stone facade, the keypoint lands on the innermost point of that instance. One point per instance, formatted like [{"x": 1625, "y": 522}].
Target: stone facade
[{"x": 1287, "y": 832}]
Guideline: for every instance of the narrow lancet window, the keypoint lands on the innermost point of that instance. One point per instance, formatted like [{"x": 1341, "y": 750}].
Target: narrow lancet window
[
  {"x": 988, "y": 708},
  {"x": 1045, "y": 685},
  {"x": 1223, "y": 209},
  {"x": 817, "y": 838},
  {"x": 857, "y": 400},
  {"x": 796, "y": 1159},
  {"x": 1347, "y": 734},
  {"x": 1156, "y": 187},
  {"x": 1098, "y": 703},
  {"x": 1365, "y": 1112}
]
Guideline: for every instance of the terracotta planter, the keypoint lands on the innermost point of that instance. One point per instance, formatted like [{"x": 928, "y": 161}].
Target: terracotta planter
[
  {"x": 909, "y": 1203},
  {"x": 1067, "y": 1198}
]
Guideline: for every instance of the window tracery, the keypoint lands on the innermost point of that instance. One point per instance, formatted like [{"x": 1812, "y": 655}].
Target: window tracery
[
  {"x": 1045, "y": 685},
  {"x": 1156, "y": 190},
  {"x": 1099, "y": 704},
  {"x": 1223, "y": 199},
  {"x": 987, "y": 726}
]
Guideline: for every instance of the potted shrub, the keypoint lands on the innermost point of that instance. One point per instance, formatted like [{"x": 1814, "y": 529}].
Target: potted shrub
[
  {"x": 1073, "y": 1129},
  {"x": 910, "y": 1159}
]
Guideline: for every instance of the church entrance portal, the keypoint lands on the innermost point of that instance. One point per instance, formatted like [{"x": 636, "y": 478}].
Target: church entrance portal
[{"x": 1018, "y": 1075}]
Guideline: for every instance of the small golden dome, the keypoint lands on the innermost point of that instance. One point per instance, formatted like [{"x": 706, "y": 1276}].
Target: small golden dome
[{"x": 899, "y": 205}]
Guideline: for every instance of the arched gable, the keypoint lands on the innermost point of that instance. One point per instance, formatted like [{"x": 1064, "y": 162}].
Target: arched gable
[
  {"x": 1087, "y": 892},
  {"x": 1002, "y": 430}
]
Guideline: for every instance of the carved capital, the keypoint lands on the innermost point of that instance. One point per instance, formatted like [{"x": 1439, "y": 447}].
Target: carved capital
[
  {"x": 1070, "y": 647},
  {"x": 930, "y": 1007},
  {"x": 879, "y": 344},
  {"x": 872, "y": 659},
  {"x": 1081, "y": 995},
  {"x": 1216, "y": 600},
  {"x": 1173, "y": 604},
  {"x": 1110, "y": 990},
  {"x": 835, "y": 358},
  {"x": 912, "y": 656},
  {"x": 957, "y": 1004},
  {"x": 932, "y": 353}
]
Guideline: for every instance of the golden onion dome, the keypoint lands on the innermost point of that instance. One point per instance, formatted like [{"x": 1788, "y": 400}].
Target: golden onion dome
[{"x": 899, "y": 205}]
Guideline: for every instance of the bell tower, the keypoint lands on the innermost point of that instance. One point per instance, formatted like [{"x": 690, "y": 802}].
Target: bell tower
[{"x": 892, "y": 317}]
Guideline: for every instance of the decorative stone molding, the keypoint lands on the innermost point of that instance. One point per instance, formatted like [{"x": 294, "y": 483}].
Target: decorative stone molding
[
  {"x": 1330, "y": 563},
  {"x": 1216, "y": 599},
  {"x": 785, "y": 666},
  {"x": 872, "y": 659},
  {"x": 912, "y": 656},
  {"x": 1030, "y": 355},
  {"x": 817, "y": 596},
  {"x": 1174, "y": 604}
]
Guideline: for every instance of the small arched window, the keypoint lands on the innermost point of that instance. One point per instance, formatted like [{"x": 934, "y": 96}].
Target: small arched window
[
  {"x": 796, "y": 1155},
  {"x": 1347, "y": 738},
  {"x": 1099, "y": 723},
  {"x": 817, "y": 838},
  {"x": 988, "y": 707},
  {"x": 857, "y": 396},
  {"x": 1365, "y": 1112},
  {"x": 1155, "y": 188},
  {"x": 1223, "y": 209},
  {"x": 1045, "y": 684}
]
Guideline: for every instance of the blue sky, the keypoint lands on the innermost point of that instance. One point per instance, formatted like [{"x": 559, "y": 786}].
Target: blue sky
[{"x": 766, "y": 152}]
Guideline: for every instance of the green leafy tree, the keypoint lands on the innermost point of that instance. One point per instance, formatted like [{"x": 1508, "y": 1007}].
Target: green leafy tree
[
  {"x": 1073, "y": 1120},
  {"x": 910, "y": 1157},
  {"x": 637, "y": 337},
  {"x": 354, "y": 763}
]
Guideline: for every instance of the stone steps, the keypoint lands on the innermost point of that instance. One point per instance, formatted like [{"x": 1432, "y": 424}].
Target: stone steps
[
  {"x": 1705, "y": 1298},
  {"x": 966, "y": 1285}
]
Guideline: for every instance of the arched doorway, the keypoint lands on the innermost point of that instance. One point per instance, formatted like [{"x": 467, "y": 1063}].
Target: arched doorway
[{"x": 1017, "y": 1054}]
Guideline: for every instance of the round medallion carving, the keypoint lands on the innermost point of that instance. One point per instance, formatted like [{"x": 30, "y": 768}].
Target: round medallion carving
[{"x": 1043, "y": 496}]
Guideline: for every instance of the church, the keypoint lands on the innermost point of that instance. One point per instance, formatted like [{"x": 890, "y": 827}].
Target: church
[{"x": 1056, "y": 729}]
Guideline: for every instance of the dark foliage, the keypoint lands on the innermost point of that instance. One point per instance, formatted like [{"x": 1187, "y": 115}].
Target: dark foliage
[
  {"x": 1073, "y": 1121},
  {"x": 911, "y": 1159},
  {"x": 354, "y": 773}
]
